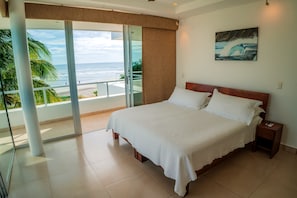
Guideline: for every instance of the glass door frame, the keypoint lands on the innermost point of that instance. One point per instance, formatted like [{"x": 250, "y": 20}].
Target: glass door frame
[
  {"x": 72, "y": 77},
  {"x": 128, "y": 65},
  {"x": 6, "y": 180}
]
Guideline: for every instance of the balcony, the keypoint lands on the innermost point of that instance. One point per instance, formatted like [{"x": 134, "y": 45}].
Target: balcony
[{"x": 96, "y": 102}]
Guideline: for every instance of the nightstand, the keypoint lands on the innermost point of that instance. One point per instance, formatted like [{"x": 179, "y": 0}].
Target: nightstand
[{"x": 268, "y": 136}]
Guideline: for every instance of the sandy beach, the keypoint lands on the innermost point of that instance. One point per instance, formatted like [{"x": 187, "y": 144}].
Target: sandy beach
[{"x": 92, "y": 90}]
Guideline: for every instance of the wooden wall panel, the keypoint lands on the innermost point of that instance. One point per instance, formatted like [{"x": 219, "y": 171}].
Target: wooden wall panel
[
  {"x": 3, "y": 8},
  {"x": 53, "y": 12},
  {"x": 159, "y": 64}
]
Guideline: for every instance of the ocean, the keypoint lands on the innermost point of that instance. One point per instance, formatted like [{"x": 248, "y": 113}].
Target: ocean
[{"x": 89, "y": 72}]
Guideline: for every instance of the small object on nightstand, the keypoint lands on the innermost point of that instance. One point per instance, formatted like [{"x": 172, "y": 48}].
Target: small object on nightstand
[
  {"x": 268, "y": 136},
  {"x": 269, "y": 124}
]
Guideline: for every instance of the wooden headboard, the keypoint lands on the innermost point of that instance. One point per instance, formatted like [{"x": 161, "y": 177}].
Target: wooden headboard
[{"x": 264, "y": 97}]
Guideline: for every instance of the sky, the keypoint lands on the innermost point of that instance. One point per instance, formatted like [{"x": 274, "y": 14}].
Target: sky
[{"x": 89, "y": 46}]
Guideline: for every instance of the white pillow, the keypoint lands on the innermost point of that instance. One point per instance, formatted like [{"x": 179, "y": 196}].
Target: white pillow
[
  {"x": 232, "y": 107},
  {"x": 188, "y": 98},
  {"x": 258, "y": 111}
]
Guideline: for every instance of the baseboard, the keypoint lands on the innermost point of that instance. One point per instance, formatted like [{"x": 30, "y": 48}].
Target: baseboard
[
  {"x": 288, "y": 149},
  {"x": 102, "y": 111}
]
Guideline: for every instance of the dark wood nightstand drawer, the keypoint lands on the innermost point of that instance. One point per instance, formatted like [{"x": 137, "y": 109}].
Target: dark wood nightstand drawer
[{"x": 265, "y": 133}]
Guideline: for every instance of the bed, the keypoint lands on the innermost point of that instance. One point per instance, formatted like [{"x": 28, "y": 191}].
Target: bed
[{"x": 185, "y": 137}]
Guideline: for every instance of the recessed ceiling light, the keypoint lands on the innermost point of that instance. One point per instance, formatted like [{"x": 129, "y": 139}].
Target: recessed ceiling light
[{"x": 174, "y": 4}]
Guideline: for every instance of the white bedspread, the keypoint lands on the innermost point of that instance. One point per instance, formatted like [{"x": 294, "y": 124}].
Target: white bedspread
[{"x": 180, "y": 140}]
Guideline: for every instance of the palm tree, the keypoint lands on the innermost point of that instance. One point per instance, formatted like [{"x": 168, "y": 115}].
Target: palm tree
[{"x": 41, "y": 67}]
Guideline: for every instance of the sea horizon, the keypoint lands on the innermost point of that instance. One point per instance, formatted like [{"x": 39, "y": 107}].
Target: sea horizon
[{"x": 89, "y": 72}]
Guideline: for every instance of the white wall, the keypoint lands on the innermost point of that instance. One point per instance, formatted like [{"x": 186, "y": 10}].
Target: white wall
[{"x": 277, "y": 56}]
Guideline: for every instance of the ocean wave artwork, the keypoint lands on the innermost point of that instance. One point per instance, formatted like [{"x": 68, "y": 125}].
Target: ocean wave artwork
[{"x": 237, "y": 45}]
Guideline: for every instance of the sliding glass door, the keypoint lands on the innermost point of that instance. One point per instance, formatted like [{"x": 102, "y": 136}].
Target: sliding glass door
[
  {"x": 52, "y": 89},
  {"x": 133, "y": 64},
  {"x": 7, "y": 148},
  {"x": 99, "y": 63},
  {"x": 47, "y": 51},
  {"x": 98, "y": 52}
]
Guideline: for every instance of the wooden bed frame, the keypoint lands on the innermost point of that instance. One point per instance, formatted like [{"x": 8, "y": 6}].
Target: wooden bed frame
[{"x": 264, "y": 97}]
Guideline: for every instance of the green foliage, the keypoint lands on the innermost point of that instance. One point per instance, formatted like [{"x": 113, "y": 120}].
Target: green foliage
[
  {"x": 6, "y": 53},
  {"x": 136, "y": 67},
  {"x": 122, "y": 76},
  {"x": 51, "y": 95},
  {"x": 65, "y": 98},
  {"x": 41, "y": 68}
]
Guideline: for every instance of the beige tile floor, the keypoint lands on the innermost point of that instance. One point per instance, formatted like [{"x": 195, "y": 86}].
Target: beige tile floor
[
  {"x": 94, "y": 165},
  {"x": 63, "y": 127}
]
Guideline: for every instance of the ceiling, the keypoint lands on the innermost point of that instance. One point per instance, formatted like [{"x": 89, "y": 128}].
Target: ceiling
[{"x": 166, "y": 8}]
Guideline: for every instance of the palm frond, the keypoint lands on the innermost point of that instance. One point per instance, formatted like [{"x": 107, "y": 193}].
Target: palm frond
[
  {"x": 6, "y": 52},
  {"x": 43, "y": 69},
  {"x": 51, "y": 94},
  {"x": 38, "y": 50}
]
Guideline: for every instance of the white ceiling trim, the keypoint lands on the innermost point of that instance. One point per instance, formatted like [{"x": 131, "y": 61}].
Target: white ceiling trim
[{"x": 184, "y": 8}]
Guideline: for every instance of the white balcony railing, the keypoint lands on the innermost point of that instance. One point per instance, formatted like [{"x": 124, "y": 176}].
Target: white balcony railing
[
  {"x": 85, "y": 90},
  {"x": 94, "y": 97}
]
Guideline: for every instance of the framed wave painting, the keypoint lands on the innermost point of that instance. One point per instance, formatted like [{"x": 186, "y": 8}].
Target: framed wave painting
[{"x": 237, "y": 45}]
